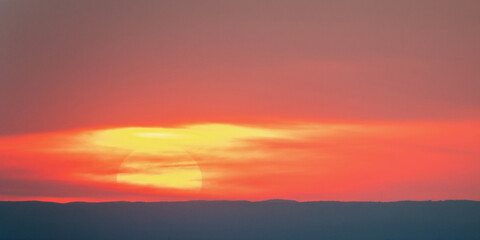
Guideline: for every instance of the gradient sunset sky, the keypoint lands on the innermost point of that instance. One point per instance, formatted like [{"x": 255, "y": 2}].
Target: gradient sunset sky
[{"x": 183, "y": 100}]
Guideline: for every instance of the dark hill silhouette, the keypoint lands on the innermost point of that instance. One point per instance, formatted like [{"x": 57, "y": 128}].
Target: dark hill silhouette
[{"x": 242, "y": 220}]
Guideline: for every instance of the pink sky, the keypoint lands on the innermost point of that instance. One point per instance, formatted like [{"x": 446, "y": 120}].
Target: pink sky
[{"x": 409, "y": 68}]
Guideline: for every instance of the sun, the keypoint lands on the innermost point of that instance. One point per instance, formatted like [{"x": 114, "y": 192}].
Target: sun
[
  {"x": 177, "y": 170},
  {"x": 156, "y": 158}
]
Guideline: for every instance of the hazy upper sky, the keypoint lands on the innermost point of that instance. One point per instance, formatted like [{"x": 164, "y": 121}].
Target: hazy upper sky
[{"x": 74, "y": 64}]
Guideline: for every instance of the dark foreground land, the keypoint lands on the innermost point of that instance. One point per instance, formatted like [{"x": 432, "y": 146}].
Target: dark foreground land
[{"x": 211, "y": 220}]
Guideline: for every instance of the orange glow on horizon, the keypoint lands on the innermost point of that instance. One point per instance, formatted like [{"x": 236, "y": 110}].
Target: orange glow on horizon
[{"x": 300, "y": 161}]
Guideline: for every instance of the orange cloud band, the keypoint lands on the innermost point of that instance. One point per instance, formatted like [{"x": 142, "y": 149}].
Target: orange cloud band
[{"x": 302, "y": 161}]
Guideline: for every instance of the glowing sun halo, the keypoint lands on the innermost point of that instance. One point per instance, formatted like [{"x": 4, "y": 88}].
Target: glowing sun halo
[{"x": 158, "y": 156}]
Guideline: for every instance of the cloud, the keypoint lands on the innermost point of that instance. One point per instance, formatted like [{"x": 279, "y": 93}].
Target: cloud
[{"x": 302, "y": 161}]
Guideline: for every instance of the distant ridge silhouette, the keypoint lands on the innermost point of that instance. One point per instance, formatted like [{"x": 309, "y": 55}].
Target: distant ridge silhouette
[{"x": 211, "y": 220}]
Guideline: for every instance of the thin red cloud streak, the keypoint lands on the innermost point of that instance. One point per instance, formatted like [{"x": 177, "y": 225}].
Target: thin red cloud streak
[{"x": 300, "y": 161}]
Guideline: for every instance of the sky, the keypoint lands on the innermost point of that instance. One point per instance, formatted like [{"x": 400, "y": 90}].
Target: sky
[{"x": 183, "y": 100}]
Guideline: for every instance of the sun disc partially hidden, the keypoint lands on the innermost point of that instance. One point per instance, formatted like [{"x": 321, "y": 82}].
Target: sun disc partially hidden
[
  {"x": 177, "y": 170},
  {"x": 156, "y": 159}
]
